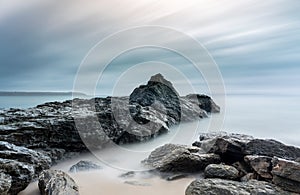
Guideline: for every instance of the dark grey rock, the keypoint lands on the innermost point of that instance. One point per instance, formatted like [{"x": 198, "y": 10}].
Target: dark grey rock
[
  {"x": 249, "y": 176},
  {"x": 228, "y": 187},
  {"x": 84, "y": 165},
  {"x": 128, "y": 174},
  {"x": 5, "y": 183},
  {"x": 176, "y": 176},
  {"x": 221, "y": 171},
  {"x": 180, "y": 158},
  {"x": 269, "y": 147},
  {"x": 38, "y": 160},
  {"x": 55, "y": 182},
  {"x": 242, "y": 167},
  {"x": 21, "y": 174},
  {"x": 233, "y": 147},
  {"x": 261, "y": 165},
  {"x": 286, "y": 174}
]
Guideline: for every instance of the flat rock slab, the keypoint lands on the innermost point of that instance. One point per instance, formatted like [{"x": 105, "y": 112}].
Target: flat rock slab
[
  {"x": 228, "y": 187},
  {"x": 286, "y": 174},
  {"x": 55, "y": 182},
  {"x": 180, "y": 158}
]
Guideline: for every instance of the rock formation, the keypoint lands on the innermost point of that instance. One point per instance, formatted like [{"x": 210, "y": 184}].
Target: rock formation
[{"x": 32, "y": 139}]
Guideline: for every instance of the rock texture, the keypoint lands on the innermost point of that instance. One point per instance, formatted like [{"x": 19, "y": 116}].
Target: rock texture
[
  {"x": 221, "y": 171},
  {"x": 261, "y": 165},
  {"x": 54, "y": 182},
  {"x": 228, "y": 187},
  {"x": 5, "y": 183},
  {"x": 286, "y": 174},
  {"x": 180, "y": 158},
  {"x": 20, "y": 165},
  {"x": 84, "y": 165}
]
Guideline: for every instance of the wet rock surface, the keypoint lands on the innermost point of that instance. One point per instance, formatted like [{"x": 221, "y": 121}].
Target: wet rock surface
[
  {"x": 228, "y": 187},
  {"x": 241, "y": 168},
  {"x": 180, "y": 158},
  {"x": 286, "y": 174},
  {"x": 54, "y": 182},
  {"x": 221, "y": 171},
  {"x": 5, "y": 183}
]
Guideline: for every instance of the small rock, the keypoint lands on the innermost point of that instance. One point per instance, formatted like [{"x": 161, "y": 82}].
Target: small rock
[
  {"x": 55, "y": 182},
  {"x": 128, "y": 174},
  {"x": 261, "y": 165},
  {"x": 84, "y": 165},
  {"x": 137, "y": 183},
  {"x": 221, "y": 171},
  {"x": 176, "y": 176}
]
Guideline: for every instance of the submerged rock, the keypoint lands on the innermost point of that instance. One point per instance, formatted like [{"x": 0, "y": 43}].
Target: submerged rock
[
  {"x": 228, "y": 187},
  {"x": 221, "y": 171},
  {"x": 54, "y": 182},
  {"x": 180, "y": 158},
  {"x": 286, "y": 174},
  {"x": 84, "y": 165}
]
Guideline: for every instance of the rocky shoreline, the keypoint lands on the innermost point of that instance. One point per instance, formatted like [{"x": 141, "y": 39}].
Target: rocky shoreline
[
  {"x": 32, "y": 140},
  {"x": 232, "y": 164}
]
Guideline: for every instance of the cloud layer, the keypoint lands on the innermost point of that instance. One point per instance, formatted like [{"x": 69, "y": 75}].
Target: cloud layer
[{"x": 255, "y": 43}]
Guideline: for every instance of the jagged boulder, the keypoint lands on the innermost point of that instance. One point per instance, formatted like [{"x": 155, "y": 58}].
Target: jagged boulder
[{"x": 55, "y": 182}]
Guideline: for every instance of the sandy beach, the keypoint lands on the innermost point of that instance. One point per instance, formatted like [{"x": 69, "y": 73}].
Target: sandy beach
[{"x": 108, "y": 181}]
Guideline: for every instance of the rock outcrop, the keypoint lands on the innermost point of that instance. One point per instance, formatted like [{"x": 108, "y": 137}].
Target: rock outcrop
[
  {"x": 54, "y": 182},
  {"x": 34, "y": 138}
]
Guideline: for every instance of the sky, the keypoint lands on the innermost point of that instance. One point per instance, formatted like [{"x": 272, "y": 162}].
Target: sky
[{"x": 255, "y": 44}]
